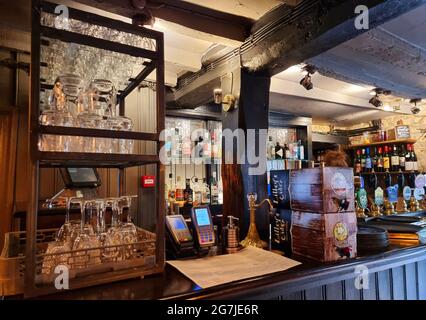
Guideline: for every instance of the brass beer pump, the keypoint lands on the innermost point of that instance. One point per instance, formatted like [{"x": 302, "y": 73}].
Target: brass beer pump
[{"x": 253, "y": 238}]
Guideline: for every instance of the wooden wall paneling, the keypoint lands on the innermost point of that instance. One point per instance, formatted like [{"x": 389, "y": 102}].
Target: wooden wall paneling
[
  {"x": 8, "y": 152},
  {"x": 410, "y": 279},
  {"x": 384, "y": 285},
  {"x": 421, "y": 279},
  {"x": 398, "y": 285}
]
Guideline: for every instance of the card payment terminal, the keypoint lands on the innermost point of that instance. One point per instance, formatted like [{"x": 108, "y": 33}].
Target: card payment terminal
[
  {"x": 179, "y": 238},
  {"x": 203, "y": 226}
]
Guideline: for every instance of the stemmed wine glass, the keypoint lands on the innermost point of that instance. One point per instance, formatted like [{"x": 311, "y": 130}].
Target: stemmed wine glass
[{"x": 113, "y": 236}]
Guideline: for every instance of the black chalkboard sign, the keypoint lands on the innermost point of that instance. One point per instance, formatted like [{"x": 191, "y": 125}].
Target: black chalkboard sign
[{"x": 279, "y": 181}]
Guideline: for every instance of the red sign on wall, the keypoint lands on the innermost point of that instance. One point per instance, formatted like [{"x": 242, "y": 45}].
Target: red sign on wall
[{"x": 148, "y": 181}]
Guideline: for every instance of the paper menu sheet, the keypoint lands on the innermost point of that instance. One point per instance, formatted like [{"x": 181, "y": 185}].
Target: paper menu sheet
[{"x": 249, "y": 262}]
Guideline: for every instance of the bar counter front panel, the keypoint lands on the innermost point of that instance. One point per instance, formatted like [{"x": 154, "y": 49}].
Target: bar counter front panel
[{"x": 398, "y": 274}]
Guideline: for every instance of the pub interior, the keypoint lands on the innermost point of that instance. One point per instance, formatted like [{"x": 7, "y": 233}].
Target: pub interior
[{"x": 168, "y": 149}]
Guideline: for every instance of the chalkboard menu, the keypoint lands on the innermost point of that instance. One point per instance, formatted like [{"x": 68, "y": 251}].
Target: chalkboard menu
[
  {"x": 279, "y": 181},
  {"x": 402, "y": 132}
]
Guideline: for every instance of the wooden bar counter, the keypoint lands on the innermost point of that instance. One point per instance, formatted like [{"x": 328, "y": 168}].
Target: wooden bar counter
[{"x": 398, "y": 274}]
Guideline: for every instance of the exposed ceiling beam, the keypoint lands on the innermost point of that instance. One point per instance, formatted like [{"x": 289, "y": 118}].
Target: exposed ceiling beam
[
  {"x": 183, "y": 13},
  {"x": 307, "y": 30}
]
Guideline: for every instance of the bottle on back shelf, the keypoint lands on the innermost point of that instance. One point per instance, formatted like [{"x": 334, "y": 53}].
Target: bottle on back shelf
[
  {"x": 363, "y": 160},
  {"x": 357, "y": 166},
  {"x": 287, "y": 153},
  {"x": 198, "y": 195},
  {"x": 375, "y": 159},
  {"x": 380, "y": 163},
  {"x": 205, "y": 192},
  {"x": 220, "y": 192},
  {"x": 402, "y": 158},
  {"x": 386, "y": 160},
  {"x": 215, "y": 192},
  {"x": 395, "y": 159},
  {"x": 179, "y": 189},
  {"x": 401, "y": 180},
  {"x": 368, "y": 161},
  {"x": 414, "y": 159},
  {"x": 372, "y": 180},
  {"x": 408, "y": 161},
  {"x": 188, "y": 194},
  {"x": 279, "y": 152},
  {"x": 271, "y": 149},
  {"x": 388, "y": 179}
]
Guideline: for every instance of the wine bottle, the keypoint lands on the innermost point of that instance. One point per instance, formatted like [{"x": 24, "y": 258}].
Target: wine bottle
[
  {"x": 401, "y": 180},
  {"x": 412, "y": 179},
  {"x": 372, "y": 180},
  {"x": 380, "y": 161},
  {"x": 402, "y": 158},
  {"x": 363, "y": 160},
  {"x": 368, "y": 161},
  {"x": 388, "y": 179},
  {"x": 408, "y": 162},
  {"x": 205, "y": 192},
  {"x": 357, "y": 166},
  {"x": 375, "y": 159},
  {"x": 386, "y": 160},
  {"x": 414, "y": 159},
  {"x": 395, "y": 159}
]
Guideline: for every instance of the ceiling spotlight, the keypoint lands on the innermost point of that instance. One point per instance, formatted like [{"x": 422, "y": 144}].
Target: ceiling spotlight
[
  {"x": 375, "y": 101},
  {"x": 306, "y": 82},
  {"x": 415, "y": 109}
]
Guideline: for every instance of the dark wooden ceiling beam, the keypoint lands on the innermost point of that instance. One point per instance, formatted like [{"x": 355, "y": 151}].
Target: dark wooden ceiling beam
[
  {"x": 187, "y": 14},
  {"x": 291, "y": 37}
]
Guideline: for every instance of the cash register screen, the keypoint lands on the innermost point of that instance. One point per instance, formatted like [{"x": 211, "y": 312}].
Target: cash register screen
[
  {"x": 82, "y": 175},
  {"x": 202, "y": 216},
  {"x": 178, "y": 224}
]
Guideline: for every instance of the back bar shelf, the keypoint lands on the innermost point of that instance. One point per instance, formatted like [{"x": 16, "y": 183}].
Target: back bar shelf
[{"x": 68, "y": 41}]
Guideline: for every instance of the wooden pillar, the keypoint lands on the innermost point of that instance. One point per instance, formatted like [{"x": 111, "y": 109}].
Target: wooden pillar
[{"x": 252, "y": 93}]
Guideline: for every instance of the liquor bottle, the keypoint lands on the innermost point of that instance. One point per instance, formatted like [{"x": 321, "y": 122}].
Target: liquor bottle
[
  {"x": 205, "y": 199},
  {"x": 300, "y": 150},
  {"x": 408, "y": 161},
  {"x": 220, "y": 192},
  {"x": 402, "y": 158},
  {"x": 278, "y": 151},
  {"x": 368, "y": 161},
  {"x": 386, "y": 160},
  {"x": 401, "y": 180},
  {"x": 363, "y": 160},
  {"x": 214, "y": 192},
  {"x": 271, "y": 149},
  {"x": 188, "y": 194},
  {"x": 198, "y": 195},
  {"x": 414, "y": 159},
  {"x": 372, "y": 180},
  {"x": 388, "y": 179},
  {"x": 357, "y": 166},
  {"x": 380, "y": 163},
  {"x": 179, "y": 189},
  {"x": 172, "y": 191},
  {"x": 395, "y": 160},
  {"x": 375, "y": 159},
  {"x": 287, "y": 154}
]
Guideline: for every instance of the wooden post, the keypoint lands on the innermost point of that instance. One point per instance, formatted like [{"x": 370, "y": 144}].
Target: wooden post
[{"x": 252, "y": 93}]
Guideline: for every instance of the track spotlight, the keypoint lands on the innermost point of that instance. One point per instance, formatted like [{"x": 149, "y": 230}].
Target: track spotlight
[
  {"x": 306, "y": 82},
  {"x": 375, "y": 101},
  {"x": 415, "y": 109}
]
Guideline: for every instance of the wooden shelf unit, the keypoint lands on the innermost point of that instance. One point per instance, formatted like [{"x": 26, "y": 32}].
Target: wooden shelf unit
[
  {"x": 382, "y": 143},
  {"x": 75, "y": 159}
]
